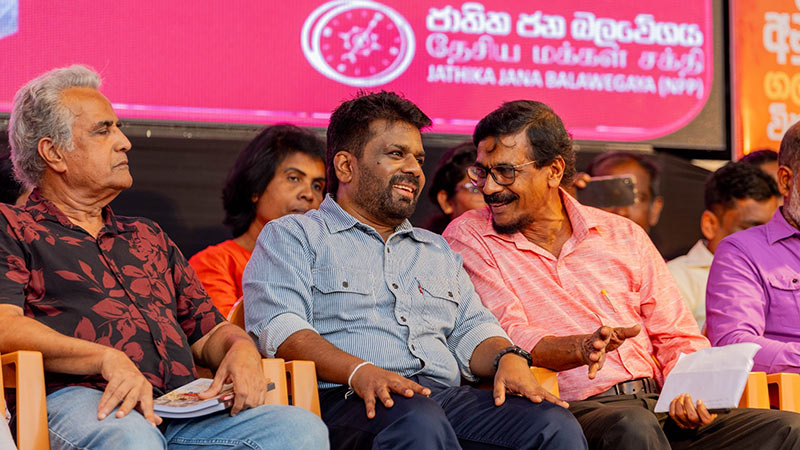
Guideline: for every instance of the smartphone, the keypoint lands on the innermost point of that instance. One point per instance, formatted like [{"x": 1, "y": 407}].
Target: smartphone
[{"x": 608, "y": 192}]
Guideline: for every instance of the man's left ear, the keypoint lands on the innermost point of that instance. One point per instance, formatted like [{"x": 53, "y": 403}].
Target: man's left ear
[
  {"x": 556, "y": 172},
  {"x": 785, "y": 180},
  {"x": 655, "y": 210}
]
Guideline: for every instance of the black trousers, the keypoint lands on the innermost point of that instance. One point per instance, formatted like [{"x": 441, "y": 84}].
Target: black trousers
[
  {"x": 451, "y": 418},
  {"x": 628, "y": 422}
]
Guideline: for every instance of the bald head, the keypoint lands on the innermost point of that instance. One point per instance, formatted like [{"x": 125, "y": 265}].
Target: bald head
[{"x": 789, "y": 154}]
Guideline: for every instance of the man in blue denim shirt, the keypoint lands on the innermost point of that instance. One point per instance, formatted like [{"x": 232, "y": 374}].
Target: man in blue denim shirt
[{"x": 386, "y": 311}]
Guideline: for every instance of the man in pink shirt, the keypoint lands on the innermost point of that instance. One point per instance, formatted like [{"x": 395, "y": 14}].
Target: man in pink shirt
[
  {"x": 753, "y": 290},
  {"x": 564, "y": 279}
]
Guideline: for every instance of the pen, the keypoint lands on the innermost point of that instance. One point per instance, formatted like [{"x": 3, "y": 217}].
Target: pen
[{"x": 604, "y": 293}]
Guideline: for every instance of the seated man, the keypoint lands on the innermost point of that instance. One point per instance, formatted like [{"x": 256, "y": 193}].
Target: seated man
[
  {"x": 109, "y": 301},
  {"x": 553, "y": 270},
  {"x": 737, "y": 196},
  {"x": 753, "y": 292},
  {"x": 386, "y": 310}
]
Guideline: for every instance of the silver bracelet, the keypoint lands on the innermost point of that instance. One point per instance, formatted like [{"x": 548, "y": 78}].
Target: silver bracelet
[{"x": 350, "y": 378}]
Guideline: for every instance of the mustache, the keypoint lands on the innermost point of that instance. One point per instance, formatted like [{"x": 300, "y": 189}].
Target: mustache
[
  {"x": 500, "y": 197},
  {"x": 408, "y": 179}
]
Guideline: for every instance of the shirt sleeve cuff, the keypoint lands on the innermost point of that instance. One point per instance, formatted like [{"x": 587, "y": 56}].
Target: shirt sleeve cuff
[
  {"x": 466, "y": 345},
  {"x": 271, "y": 335},
  {"x": 773, "y": 356}
]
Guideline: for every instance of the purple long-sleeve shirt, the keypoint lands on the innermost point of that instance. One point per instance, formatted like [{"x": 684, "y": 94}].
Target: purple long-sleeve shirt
[{"x": 753, "y": 294}]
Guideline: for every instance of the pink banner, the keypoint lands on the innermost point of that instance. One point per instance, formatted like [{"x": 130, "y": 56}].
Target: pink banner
[{"x": 612, "y": 70}]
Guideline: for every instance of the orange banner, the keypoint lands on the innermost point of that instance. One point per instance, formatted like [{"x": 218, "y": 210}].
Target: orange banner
[{"x": 765, "y": 40}]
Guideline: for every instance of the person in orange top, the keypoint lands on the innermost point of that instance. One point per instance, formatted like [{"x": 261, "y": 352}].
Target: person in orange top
[{"x": 280, "y": 172}]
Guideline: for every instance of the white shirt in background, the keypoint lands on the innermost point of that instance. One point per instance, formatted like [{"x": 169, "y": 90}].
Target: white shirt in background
[{"x": 691, "y": 274}]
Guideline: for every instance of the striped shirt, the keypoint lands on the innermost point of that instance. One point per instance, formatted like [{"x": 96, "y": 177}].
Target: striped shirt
[
  {"x": 535, "y": 294},
  {"x": 405, "y": 304}
]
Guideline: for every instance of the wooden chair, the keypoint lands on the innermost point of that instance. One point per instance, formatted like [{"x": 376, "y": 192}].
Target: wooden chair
[
  {"x": 784, "y": 391},
  {"x": 774, "y": 390},
  {"x": 295, "y": 383},
  {"x": 297, "y": 380},
  {"x": 755, "y": 393},
  {"x": 236, "y": 315},
  {"x": 23, "y": 371}
]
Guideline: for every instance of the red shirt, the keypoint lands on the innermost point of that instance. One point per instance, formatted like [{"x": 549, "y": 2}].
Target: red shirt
[
  {"x": 220, "y": 268},
  {"x": 534, "y": 294},
  {"x": 130, "y": 288}
]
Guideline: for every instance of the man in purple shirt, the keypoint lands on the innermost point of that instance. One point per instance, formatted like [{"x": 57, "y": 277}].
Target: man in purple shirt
[{"x": 753, "y": 291}]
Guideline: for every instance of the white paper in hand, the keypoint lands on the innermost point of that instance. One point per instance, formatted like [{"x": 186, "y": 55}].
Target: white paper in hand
[{"x": 715, "y": 375}]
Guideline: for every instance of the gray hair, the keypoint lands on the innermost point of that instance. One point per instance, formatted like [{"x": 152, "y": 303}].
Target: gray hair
[{"x": 38, "y": 113}]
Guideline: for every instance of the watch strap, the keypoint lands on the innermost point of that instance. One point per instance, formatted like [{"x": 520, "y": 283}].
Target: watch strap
[{"x": 516, "y": 350}]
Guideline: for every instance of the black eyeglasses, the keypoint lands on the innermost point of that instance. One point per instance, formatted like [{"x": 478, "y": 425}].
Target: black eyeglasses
[{"x": 503, "y": 174}]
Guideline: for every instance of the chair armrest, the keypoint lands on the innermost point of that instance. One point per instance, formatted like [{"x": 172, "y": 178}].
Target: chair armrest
[
  {"x": 24, "y": 372},
  {"x": 295, "y": 383},
  {"x": 303, "y": 386},
  {"x": 755, "y": 393},
  {"x": 784, "y": 391},
  {"x": 275, "y": 370}
]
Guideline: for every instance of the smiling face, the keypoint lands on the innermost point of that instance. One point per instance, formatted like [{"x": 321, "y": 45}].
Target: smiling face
[
  {"x": 389, "y": 175},
  {"x": 98, "y": 162},
  {"x": 298, "y": 186},
  {"x": 533, "y": 192}
]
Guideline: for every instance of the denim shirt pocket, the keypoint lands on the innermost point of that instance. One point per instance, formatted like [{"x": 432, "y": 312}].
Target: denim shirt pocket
[
  {"x": 784, "y": 301},
  {"x": 342, "y": 293},
  {"x": 440, "y": 302}
]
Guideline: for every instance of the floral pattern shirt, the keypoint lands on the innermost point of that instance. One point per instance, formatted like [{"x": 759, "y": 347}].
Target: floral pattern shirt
[{"x": 130, "y": 288}]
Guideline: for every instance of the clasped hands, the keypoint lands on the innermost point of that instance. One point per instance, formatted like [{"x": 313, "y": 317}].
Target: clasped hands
[{"x": 594, "y": 348}]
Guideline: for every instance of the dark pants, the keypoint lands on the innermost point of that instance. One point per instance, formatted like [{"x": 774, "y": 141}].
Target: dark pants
[
  {"x": 628, "y": 422},
  {"x": 451, "y": 418}
]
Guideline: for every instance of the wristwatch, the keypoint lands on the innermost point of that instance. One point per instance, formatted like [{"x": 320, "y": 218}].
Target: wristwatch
[{"x": 516, "y": 350}]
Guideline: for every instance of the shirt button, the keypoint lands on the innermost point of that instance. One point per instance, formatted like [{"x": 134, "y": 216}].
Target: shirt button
[
  {"x": 412, "y": 347},
  {"x": 394, "y": 285},
  {"x": 449, "y": 294},
  {"x": 388, "y": 250},
  {"x": 345, "y": 284},
  {"x": 403, "y": 318}
]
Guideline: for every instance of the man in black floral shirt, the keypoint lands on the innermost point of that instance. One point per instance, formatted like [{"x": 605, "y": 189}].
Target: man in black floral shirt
[{"x": 110, "y": 301}]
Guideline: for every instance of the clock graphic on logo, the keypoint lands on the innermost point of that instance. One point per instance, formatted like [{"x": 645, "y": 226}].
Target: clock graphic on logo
[{"x": 358, "y": 42}]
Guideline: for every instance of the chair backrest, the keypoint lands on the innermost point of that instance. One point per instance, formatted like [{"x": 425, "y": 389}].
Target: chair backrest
[
  {"x": 236, "y": 316},
  {"x": 24, "y": 372}
]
